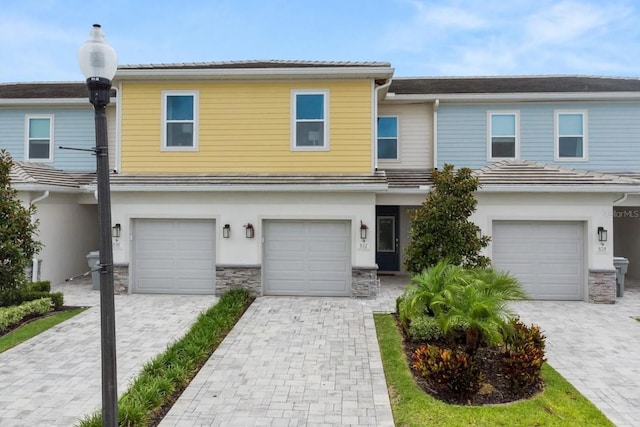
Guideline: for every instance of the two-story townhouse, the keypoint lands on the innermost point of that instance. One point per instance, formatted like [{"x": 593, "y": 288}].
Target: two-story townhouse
[
  {"x": 36, "y": 120},
  {"x": 556, "y": 157},
  {"x": 248, "y": 173}
]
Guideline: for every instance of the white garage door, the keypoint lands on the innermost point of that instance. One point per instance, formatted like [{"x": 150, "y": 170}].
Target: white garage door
[
  {"x": 547, "y": 256},
  {"x": 307, "y": 258},
  {"x": 174, "y": 256}
]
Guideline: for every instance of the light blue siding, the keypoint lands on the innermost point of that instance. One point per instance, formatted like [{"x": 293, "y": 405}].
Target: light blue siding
[
  {"x": 73, "y": 127},
  {"x": 613, "y": 134}
]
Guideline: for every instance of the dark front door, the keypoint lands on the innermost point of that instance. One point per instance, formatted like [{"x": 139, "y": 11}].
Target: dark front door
[{"x": 387, "y": 233}]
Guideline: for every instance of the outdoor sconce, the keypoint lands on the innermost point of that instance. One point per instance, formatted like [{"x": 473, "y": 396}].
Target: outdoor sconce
[
  {"x": 115, "y": 231},
  {"x": 249, "y": 231},
  {"x": 363, "y": 230},
  {"x": 226, "y": 231},
  {"x": 602, "y": 234}
]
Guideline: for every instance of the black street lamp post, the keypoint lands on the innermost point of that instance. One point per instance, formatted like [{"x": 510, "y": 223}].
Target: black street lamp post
[{"x": 98, "y": 62}]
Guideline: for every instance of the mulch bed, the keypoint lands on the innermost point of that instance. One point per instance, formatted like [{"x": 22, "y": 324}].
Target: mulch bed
[{"x": 495, "y": 388}]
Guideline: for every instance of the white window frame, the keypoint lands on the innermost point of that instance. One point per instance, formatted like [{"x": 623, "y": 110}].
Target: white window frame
[
  {"x": 397, "y": 158},
  {"x": 490, "y": 114},
  {"x": 294, "y": 121},
  {"x": 27, "y": 138},
  {"x": 195, "y": 121},
  {"x": 556, "y": 136}
]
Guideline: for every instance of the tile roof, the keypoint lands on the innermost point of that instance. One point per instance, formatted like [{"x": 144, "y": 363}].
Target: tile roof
[
  {"x": 524, "y": 173},
  {"x": 179, "y": 181},
  {"x": 408, "y": 178},
  {"x": 512, "y": 84},
  {"x": 254, "y": 64},
  {"x": 25, "y": 173},
  {"x": 43, "y": 90}
]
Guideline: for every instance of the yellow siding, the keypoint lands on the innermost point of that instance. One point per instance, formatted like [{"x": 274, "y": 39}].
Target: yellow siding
[{"x": 246, "y": 127}]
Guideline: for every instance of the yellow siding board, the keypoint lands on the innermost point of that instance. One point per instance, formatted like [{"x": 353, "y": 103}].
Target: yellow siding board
[{"x": 246, "y": 127}]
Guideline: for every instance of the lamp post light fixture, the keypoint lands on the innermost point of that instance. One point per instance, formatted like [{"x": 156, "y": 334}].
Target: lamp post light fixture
[{"x": 98, "y": 62}]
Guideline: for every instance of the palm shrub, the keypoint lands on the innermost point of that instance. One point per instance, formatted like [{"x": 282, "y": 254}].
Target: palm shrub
[{"x": 471, "y": 300}]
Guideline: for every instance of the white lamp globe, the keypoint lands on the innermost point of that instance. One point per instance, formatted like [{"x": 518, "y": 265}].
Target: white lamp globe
[{"x": 96, "y": 57}]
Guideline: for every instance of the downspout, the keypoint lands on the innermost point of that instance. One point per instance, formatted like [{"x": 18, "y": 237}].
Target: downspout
[
  {"x": 34, "y": 261},
  {"x": 374, "y": 143},
  {"x": 623, "y": 198},
  {"x": 436, "y": 104}
]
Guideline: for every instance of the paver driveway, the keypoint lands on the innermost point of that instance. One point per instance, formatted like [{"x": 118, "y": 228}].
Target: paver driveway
[
  {"x": 292, "y": 361},
  {"x": 596, "y": 347},
  {"x": 54, "y": 379}
]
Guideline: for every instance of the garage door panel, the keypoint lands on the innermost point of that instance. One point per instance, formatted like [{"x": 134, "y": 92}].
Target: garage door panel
[
  {"x": 546, "y": 256},
  {"x": 174, "y": 256},
  {"x": 307, "y": 258}
]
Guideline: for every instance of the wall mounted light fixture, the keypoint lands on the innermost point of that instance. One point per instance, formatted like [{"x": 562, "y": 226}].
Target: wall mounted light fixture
[
  {"x": 249, "y": 232},
  {"x": 602, "y": 234},
  {"x": 363, "y": 230},
  {"x": 226, "y": 231},
  {"x": 115, "y": 230}
]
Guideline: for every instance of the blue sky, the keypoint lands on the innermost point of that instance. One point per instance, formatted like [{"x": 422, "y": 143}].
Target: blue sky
[{"x": 39, "y": 39}]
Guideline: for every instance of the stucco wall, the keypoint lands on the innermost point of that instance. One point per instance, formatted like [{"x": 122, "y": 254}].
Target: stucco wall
[{"x": 238, "y": 209}]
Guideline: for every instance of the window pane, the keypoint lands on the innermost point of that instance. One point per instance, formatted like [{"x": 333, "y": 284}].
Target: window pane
[
  {"x": 180, "y": 107},
  {"x": 386, "y": 239},
  {"x": 387, "y": 127},
  {"x": 503, "y": 147},
  {"x": 39, "y": 149},
  {"x": 310, "y": 107},
  {"x": 39, "y": 128},
  {"x": 388, "y": 148},
  {"x": 310, "y": 134},
  {"x": 570, "y": 124},
  {"x": 570, "y": 146},
  {"x": 179, "y": 134},
  {"x": 503, "y": 125}
]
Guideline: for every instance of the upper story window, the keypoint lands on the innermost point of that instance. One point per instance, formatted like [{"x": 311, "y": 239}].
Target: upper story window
[
  {"x": 388, "y": 137},
  {"x": 309, "y": 120},
  {"x": 571, "y": 135},
  {"x": 504, "y": 138},
  {"x": 179, "y": 120},
  {"x": 39, "y": 139}
]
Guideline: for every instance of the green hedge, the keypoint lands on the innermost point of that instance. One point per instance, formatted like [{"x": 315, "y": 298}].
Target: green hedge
[{"x": 10, "y": 316}]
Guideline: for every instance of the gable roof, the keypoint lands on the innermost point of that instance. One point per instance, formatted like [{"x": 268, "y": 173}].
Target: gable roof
[{"x": 513, "y": 84}]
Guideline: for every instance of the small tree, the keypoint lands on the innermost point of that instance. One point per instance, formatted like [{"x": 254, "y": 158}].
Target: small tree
[
  {"x": 17, "y": 231},
  {"x": 441, "y": 230}
]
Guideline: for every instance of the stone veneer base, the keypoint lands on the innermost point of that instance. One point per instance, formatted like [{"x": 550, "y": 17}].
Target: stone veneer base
[
  {"x": 364, "y": 280},
  {"x": 602, "y": 286}
]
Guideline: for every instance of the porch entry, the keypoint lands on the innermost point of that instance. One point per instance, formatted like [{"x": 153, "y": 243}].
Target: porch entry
[{"x": 387, "y": 238}]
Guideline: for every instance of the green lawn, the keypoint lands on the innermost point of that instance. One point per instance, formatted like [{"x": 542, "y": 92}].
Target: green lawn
[
  {"x": 36, "y": 327},
  {"x": 559, "y": 405}
]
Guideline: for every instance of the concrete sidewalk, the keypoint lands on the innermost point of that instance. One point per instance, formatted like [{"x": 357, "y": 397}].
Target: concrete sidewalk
[{"x": 54, "y": 379}]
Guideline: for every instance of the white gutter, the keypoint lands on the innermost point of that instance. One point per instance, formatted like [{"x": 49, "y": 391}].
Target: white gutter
[
  {"x": 45, "y": 101},
  {"x": 255, "y": 73},
  {"x": 436, "y": 104},
  {"x": 248, "y": 188},
  {"x": 118, "y": 134},
  {"x": 537, "y": 96},
  {"x": 34, "y": 262},
  {"x": 374, "y": 143},
  {"x": 555, "y": 189}
]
